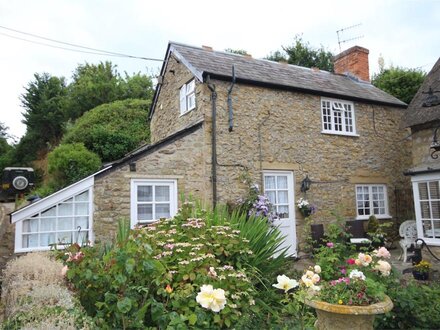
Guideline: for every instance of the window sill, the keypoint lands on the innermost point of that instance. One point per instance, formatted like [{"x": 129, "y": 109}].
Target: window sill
[
  {"x": 340, "y": 133},
  {"x": 378, "y": 217},
  {"x": 187, "y": 111}
]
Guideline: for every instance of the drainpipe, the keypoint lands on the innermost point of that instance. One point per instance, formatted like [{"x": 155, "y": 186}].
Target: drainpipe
[
  {"x": 213, "y": 142},
  {"x": 231, "y": 125}
]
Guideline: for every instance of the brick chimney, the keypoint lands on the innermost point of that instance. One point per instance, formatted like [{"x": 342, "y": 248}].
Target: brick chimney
[{"x": 353, "y": 61}]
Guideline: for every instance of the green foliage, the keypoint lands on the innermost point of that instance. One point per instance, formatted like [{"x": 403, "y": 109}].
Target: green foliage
[
  {"x": 5, "y": 148},
  {"x": 112, "y": 130},
  {"x": 96, "y": 84},
  {"x": 416, "y": 306},
  {"x": 400, "y": 82},
  {"x": 69, "y": 163},
  {"x": 152, "y": 277},
  {"x": 44, "y": 104},
  {"x": 303, "y": 54}
]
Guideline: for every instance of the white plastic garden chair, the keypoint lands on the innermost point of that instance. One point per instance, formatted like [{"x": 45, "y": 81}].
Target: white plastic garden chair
[{"x": 408, "y": 232}]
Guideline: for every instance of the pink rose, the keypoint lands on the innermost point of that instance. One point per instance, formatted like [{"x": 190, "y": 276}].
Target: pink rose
[{"x": 330, "y": 245}]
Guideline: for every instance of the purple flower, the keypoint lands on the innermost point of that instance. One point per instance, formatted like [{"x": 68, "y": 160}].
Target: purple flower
[{"x": 330, "y": 245}]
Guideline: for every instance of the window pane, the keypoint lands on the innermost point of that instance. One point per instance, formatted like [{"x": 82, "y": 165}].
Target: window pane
[
  {"x": 162, "y": 193},
  {"x": 424, "y": 207},
  {"x": 30, "y": 241},
  {"x": 48, "y": 224},
  {"x": 65, "y": 224},
  {"x": 65, "y": 209},
  {"x": 49, "y": 212},
  {"x": 282, "y": 197},
  {"x": 191, "y": 101},
  {"x": 435, "y": 209},
  {"x": 423, "y": 190},
  {"x": 434, "y": 190},
  {"x": 30, "y": 226},
  {"x": 82, "y": 222},
  {"x": 283, "y": 211},
  {"x": 271, "y": 195},
  {"x": 65, "y": 238},
  {"x": 282, "y": 182},
  {"x": 46, "y": 239},
  {"x": 145, "y": 212},
  {"x": 82, "y": 237},
  {"x": 436, "y": 228},
  {"x": 81, "y": 208},
  {"x": 191, "y": 86},
  {"x": 83, "y": 197},
  {"x": 269, "y": 182},
  {"x": 145, "y": 193},
  {"x": 162, "y": 211}
]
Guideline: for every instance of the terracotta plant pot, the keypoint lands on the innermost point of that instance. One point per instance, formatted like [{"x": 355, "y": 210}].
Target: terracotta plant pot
[{"x": 344, "y": 317}]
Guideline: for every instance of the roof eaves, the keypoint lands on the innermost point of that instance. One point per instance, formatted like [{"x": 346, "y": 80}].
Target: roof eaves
[
  {"x": 304, "y": 90},
  {"x": 142, "y": 151}
]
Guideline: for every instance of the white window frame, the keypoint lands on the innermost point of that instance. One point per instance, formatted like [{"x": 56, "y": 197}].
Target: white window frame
[
  {"x": 19, "y": 224},
  {"x": 386, "y": 215},
  {"x": 331, "y": 111},
  {"x": 425, "y": 178},
  {"x": 187, "y": 97},
  {"x": 153, "y": 182}
]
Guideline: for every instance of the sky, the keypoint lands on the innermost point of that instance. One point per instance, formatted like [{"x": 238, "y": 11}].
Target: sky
[{"x": 405, "y": 33}]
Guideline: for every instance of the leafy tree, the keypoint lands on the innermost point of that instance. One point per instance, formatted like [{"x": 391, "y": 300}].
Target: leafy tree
[
  {"x": 5, "y": 147},
  {"x": 69, "y": 163},
  {"x": 112, "y": 130},
  {"x": 44, "y": 104},
  {"x": 137, "y": 86},
  {"x": 402, "y": 83},
  {"x": 302, "y": 54},
  {"x": 93, "y": 85}
]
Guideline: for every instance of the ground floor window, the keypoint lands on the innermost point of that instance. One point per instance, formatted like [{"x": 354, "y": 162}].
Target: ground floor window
[
  {"x": 152, "y": 200},
  {"x": 427, "y": 206},
  {"x": 64, "y": 223},
  {"x": 371, "y": 199}
]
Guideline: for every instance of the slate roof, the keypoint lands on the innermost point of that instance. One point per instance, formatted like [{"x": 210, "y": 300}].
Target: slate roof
[
  {"x": 417, "y": 114},
  {"x": 203, "y": 62}
]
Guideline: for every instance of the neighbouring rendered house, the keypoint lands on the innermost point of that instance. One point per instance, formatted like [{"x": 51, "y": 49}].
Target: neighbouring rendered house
[
  {"x": 220, "y": 121},
  {"x": 423, "y": 117}
]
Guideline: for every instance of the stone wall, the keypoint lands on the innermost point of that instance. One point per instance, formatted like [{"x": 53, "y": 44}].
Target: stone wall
[
  {"x": 183, "y": 160},
  {"x": 421, "y": 142},
  {"x": 167, "y": 119},
  {"x": 7, "y": 234}
]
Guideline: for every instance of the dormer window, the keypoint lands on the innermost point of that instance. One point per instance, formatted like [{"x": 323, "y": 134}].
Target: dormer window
[
  {"x": 338, "y": 117},
  {"x": 187, "y": 97}
]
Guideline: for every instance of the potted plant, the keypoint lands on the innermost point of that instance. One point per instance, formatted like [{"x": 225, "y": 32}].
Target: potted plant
[
  {"x": 305, "y": 207},
  {"x": 421, "y": 270},
  {"x": 347, "y": 295}
]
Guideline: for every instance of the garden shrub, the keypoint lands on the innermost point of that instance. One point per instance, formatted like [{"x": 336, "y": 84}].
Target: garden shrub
[
  {"x": 159, "y": 276},
  {"x": 416, "y": 306},
  {"x": 69, "y": 163},
  {"x": 35, "y": 297}
]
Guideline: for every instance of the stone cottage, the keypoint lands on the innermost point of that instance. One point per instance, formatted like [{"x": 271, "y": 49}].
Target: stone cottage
[
  {"x": 220, "y": 121},
  {"x": 423, "y": 117}
]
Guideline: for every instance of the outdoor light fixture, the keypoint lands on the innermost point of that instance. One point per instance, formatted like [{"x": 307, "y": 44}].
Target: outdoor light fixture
[
  {"x": 305, "y": 184},
  {"x": 132, "y": 167}
]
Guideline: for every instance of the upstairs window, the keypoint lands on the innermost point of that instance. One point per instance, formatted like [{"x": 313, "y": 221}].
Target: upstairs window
[
  {"x": 187, "y": 97},
  {"x": 338, "y": 117},
  {"x": 371, "y": 200}
]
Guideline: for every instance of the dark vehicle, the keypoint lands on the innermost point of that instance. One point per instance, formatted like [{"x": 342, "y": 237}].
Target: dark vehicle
[{"x": 16, "y": 181}]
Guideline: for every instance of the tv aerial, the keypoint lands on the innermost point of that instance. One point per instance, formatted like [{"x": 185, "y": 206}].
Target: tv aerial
[{"x": 341, "y": 31}]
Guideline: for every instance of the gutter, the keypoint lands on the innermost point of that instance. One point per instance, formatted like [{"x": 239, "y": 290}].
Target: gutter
[
  {"x": 213, "y": 141},
  {"x": 427, "y": 171}
]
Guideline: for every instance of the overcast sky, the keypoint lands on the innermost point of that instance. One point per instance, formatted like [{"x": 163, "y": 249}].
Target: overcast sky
[{"x": 406, "y": 33}]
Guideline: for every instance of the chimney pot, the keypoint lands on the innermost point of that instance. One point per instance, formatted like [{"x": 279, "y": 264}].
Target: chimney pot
[
  {"x": 209, "y": 48},
  {"x": 353, "y": 61}
]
